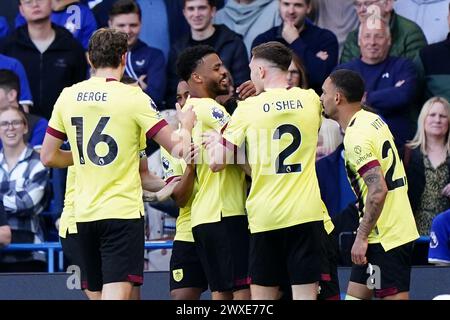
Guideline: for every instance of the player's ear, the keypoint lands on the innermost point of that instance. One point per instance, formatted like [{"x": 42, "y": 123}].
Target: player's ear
[
  {"x": 261, "y": 71},
  {"x": 337, "y": 98},
  {"x": 196, "y": 77},
  {"x": 123, "y": 59},
  {"x": 89, "y": 61}
]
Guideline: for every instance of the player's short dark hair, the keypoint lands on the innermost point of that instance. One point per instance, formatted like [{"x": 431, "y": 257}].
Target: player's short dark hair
[
  {"x": 125, "y": 7},
  {"x": 9, "y": 80},
  {"x": 349, "y": 83},
  {"x": 190, "y": 58},
  {"x": 274, "y": 52},
  {"x": 106, "y": 48},
  {"x": 212, "y": 3}
]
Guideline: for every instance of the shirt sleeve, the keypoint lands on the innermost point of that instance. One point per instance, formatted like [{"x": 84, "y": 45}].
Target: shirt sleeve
[
  {"x": 439, "y": 251},
  {"x": 25, "y": 92},
  {"x": 360, "y": 152},
  {"x": 213, "y": 117},
  {"x": 236, "y": 129},
  {"x": 171, "y": 166},
  {"x": 147, "y": 115}
]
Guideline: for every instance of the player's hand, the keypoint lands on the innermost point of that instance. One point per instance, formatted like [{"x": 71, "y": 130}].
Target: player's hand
[
  {"x": 359, "y": 250},
  {"x": 210, "y": 139},
  {"x": 446, "y": 191},
  {"x": 289, "y": 32},
  {"x": 191, "y": 157},
  {"x": 245, "y": 90},
  {"x": 142, "y": 83},
  {"x": 186, "y": 117},
  {"x": 166, "y": 192}
]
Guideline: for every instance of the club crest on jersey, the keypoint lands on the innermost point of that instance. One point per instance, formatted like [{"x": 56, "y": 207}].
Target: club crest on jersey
[
  {"x": 177, "y": 275},
  {"x": 433, "y": 240}
]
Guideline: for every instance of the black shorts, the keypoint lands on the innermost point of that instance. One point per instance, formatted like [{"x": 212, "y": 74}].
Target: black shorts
[
  {"x": 394, "y": 267},
  {"x": 223, "y": 251},
  {"x": 72, "y": 253},
  {"x": 295, "y": 250},
  {"x": 329, "y": 280},
  {"x": 186, "y": 270},
  {"x": 112, "y": 251}
]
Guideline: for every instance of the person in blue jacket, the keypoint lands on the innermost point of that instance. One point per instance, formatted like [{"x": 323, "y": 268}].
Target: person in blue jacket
[
  {"x": 144, "y": 63},
  {"x": 72, "y": 15}
]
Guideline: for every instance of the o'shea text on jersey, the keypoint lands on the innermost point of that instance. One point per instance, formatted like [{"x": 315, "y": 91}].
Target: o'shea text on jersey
[
  {"x": 92, "y": 96},
  {"x": 283, "y": 105}
]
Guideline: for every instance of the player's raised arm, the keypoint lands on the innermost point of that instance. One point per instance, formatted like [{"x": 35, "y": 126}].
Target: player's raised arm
[
  {"x": 178, "y": 144},
  {"x": 377, "y": 191}
]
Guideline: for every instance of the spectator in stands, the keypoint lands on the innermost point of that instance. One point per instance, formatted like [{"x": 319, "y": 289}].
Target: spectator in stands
[
  {"x": 338, "y": 16},
  {"x": 229, "y": 45},
  {"x": 72, "y": 15},
  {"x": 407, "y": 37},
  {"x": 427, "y": 163},
  {"x": 145, "y": 64},
  {"x": 390, "y": 82},
  {"x": 439, "y": 252},
  {"x": 14, "y": 65},
  {"x": 431, "y": 16},
  {"x": 297, "y": 73},
  {"x": 52, "y": 58},
  {"x": 433, "y": 64},
  {"x": 23, "y": 182},
  {"x": 5, "y": 230},
  {"x": 9, "y": 93},
  {"x": 317, "y": 47},
  {"x": 155, "y": 28},
  {"x": 249, "y": 18}
]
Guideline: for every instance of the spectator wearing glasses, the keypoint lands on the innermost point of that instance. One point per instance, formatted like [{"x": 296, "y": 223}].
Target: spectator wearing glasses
[
  {"x": 23, "y": 180},
  {"x": 407, "y": 37},
  {"x": 9, "y": 92}
]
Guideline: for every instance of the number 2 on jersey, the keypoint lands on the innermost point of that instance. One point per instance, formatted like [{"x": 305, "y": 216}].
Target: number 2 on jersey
[
  {"x": 96, "y": 137},
  {"x": 391, "y": 184},
  {"x": 297, "y": 138}
]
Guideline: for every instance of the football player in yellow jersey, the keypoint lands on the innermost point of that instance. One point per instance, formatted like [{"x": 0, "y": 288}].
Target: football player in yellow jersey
[
  {"x": 218, "y": 219},
  {"x": 384, "y": 240},
  {"x": 103, "y": 120},
  {"x": 279, "y": 127},
  {"x": 187, "y": 278}
]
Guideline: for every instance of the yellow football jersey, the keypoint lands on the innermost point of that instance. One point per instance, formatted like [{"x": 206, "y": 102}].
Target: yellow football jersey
[
  {"x": 173, "y": 167},
  {"x": 220, "y": 194},
  {"x": 280, "y": 130},
  {"x": 103, "y": 121},
  {"x": 368, "y": 142}
]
